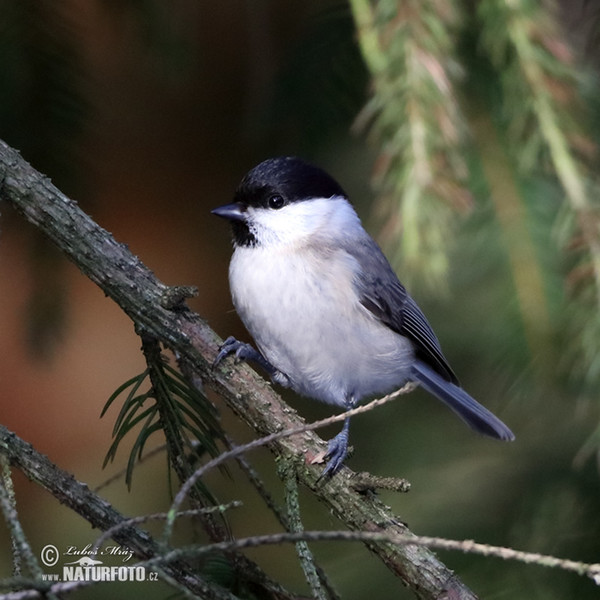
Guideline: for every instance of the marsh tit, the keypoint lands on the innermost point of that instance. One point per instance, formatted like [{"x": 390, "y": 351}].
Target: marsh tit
[{"x": 324, "y": 306}]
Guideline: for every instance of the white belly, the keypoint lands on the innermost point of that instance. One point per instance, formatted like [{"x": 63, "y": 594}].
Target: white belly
[{"x": 311, "y": 327}]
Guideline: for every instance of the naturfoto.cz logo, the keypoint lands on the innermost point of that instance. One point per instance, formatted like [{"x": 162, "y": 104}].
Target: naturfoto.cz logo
[{"x": 88, "y": 567}]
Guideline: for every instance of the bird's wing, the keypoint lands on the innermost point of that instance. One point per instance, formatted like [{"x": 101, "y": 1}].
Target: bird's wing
[{"x": 385, "y": 297}]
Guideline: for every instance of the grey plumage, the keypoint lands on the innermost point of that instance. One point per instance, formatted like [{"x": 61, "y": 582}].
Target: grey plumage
[{"x": 326, "y": 310}]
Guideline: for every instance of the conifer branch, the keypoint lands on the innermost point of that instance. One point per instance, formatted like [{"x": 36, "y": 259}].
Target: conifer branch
[{"x": 136, "y": 290}]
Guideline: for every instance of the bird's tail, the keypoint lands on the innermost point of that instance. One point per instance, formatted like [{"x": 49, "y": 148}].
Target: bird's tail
[{"x": 468, "y": 409}]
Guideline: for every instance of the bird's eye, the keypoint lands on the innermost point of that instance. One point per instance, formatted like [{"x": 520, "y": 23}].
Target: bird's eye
[{"x": 276, "y": 201}]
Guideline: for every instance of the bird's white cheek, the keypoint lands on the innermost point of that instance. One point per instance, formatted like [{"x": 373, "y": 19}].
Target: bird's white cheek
[{"x": 293, "y": 223}]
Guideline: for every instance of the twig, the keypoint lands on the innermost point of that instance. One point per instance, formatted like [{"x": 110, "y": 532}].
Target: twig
[
  {"x": 279, "y": 513},
  {"x": 591, "y": 570},
  {"x": 287, "y": 473},
  {"x": 9, "y": 510},
  {"x": 109, "y": 533},
  {"x": 229, "y": 454},
  {"x": 99, "y": 513},
  {"x": 176, "y": 443},
  {"x": 20, "y": 545}
]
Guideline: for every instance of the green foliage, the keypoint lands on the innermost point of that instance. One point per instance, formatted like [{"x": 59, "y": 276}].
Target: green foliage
[
  {"x": 187, "y": 419},
  {"x": 542, "y": 116},
  {"x": 522, "y": 106},
  {"x": 417, "y": 122}
]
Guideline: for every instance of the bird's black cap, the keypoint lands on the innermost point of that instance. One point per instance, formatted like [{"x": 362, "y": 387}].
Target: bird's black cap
[
  {"x": 292, "y": 178},
  {"x": 272, "y": 184}
]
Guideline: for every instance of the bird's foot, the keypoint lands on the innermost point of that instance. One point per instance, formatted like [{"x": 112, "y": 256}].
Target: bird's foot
[
  {"x": 241, "y": 350},
  {"x": 337, "y": 450},
  {"x": 245, "y": 352}
]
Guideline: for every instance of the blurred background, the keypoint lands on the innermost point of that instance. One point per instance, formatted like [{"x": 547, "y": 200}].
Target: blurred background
[{"x": 466, "y": 140}]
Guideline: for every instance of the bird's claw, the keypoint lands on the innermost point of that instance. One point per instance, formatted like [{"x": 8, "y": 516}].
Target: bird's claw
[
  {"x": 337, "y": 450},
  {"x": 241, "y": 350}
]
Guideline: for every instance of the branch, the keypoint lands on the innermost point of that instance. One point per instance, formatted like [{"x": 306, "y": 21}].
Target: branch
[
  {"x": 236, "y": 451},
  {"x": 156, "y": 309},
  {"x": 79, "y": 498},
  {"x": 591, "y": 570}
]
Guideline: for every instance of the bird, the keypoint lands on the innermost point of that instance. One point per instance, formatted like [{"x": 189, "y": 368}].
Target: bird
[{"x": 327, "y": 312}]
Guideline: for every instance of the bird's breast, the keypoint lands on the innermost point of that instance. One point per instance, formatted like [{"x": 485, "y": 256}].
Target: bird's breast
[{"x": 303, "y": 312}]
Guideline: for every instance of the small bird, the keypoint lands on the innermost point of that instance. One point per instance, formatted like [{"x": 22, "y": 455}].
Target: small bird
[{"x": 329, "y": 316}]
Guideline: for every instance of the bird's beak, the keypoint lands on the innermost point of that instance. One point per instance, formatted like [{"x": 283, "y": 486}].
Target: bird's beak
[{"x": 232, "y": 212}]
